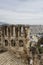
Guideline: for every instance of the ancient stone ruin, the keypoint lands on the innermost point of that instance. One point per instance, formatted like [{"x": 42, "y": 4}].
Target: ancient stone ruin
[{"x": 16, "y": 39}]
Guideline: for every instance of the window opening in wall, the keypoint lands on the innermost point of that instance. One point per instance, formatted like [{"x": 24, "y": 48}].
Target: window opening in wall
[
  {"x": 21, "y": 43},
  {"x": 12, "y": 30},
  {"x": 16, "y": 31},
  {"x": 13, "y": 43},
  {"x": 20, "y": 31},
  {"x": 6, "y": 43}
]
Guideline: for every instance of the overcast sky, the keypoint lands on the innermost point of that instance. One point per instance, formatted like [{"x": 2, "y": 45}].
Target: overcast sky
[{"x": 21, "y": 11}]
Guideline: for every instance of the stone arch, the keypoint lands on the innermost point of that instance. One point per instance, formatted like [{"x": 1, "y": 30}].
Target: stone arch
[
  {"x": 13, "y": 43},
  {"x": 21, "y": 43},
  {"x": 6, "y": 42}
]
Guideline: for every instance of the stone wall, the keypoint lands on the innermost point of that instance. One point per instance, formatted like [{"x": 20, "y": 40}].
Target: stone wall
[
  {"x": 16, "y": 39},
  {"x": 13, "y": 35}
]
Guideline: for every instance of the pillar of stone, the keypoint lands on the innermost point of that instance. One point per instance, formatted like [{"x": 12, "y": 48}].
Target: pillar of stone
[
  {"x": 7, "y": 31},
  {"x": 19, "y": 31},
  {"x": 28, "y": 32},
  {"x": 14, "y": 31},
  {"x": 22, "y": 31}
]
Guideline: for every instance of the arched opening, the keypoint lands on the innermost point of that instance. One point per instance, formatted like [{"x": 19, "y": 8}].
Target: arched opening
[
  {"x": 13, "y": 43},
  {"x": 6, "y": 43},
  {"x": 21, "y": 44}
]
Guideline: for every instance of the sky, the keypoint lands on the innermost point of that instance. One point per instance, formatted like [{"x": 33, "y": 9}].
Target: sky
[{"x": 21, "y": 11}]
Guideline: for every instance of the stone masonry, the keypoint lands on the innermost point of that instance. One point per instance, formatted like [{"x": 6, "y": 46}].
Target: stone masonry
[{"x": 16, "y": 39}]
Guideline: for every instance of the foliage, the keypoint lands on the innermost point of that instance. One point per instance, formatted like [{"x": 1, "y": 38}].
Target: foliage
[
  {"x": 40, "y": 49},
  {"x": 40, "y": 42}
]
